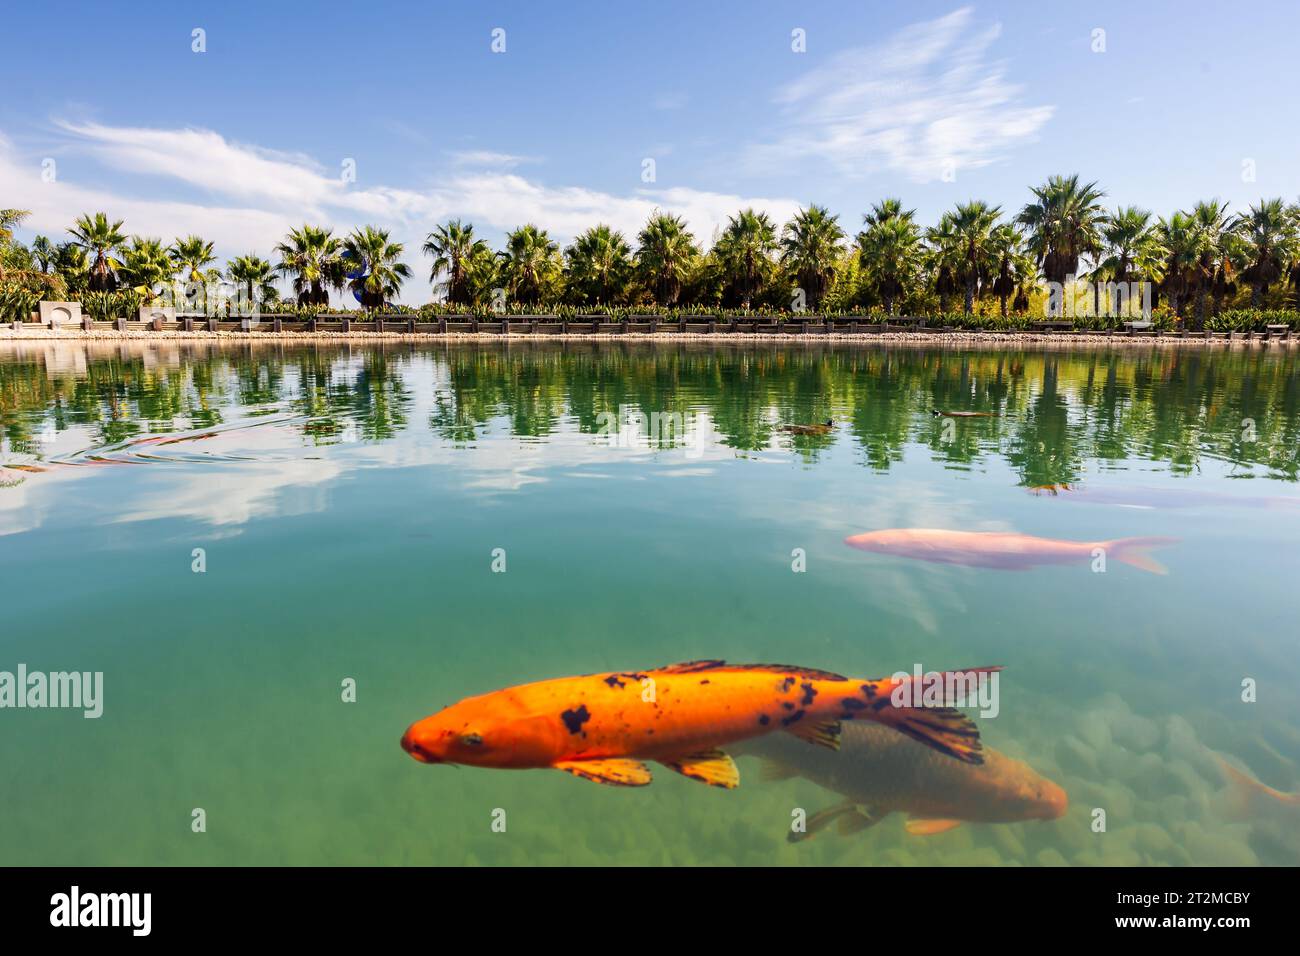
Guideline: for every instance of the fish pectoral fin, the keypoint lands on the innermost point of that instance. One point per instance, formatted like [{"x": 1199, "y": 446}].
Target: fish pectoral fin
[
  {"x": 708, "y": 766},
  {"x": 861, "y": 818},
  {"x": 825, "y": 733},
  {"x": 918, "y": 827},
  {"x": 852, "y": 817},
  {"x": 614, "y": 771},
  {"x": 773, "y": 772}
]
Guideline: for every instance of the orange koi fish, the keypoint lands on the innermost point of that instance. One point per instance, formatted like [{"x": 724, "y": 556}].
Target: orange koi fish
[
  {"x": 1249, "y": 799},
  {"x": 602, "y": 727},
  {"x": 880, "y": 772},
  {"x": 1004, "y": 550}
]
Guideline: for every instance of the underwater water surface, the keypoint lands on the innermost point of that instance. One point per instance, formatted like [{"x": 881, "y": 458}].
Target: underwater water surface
[{"x": 355, "y": 505}]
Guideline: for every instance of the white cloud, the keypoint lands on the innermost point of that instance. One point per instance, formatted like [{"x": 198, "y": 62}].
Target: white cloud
[
  {"x": 487, "y": 159},
  {"x": 928, "y": 96},
  {"x": 245, "y": 198}
]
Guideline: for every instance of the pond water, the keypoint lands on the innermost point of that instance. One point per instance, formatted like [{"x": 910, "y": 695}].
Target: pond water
[{"x": 354, "y": 505}]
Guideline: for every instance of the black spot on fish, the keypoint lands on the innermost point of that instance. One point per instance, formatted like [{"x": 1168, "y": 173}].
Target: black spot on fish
[
  {"x": 574, "y": 719},
  {"x": 613, "y": 681},
  {"x": 787, "y": 705},
  {"x": 792, "y": 719},
  {"x": 764, "y": 720},
  {"x": 852, "y": 703},
  {"x": 787, "y": 683},
  {"x": 809, "y": 692},
  {"x": 869, "y": 690},
  {"x": 880, "y": 704},
  {"x": 704, "y": 682}
]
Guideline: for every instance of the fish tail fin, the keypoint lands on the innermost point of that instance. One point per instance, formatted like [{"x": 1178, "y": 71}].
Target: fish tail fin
[
  {"x": 1243, "y": 790},
  {"x": 945, "y": 728},
  {"x": 1134, "y": 551}
]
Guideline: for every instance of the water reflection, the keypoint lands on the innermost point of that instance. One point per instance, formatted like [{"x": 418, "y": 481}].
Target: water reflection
[{"x": 1057, "y": 411}]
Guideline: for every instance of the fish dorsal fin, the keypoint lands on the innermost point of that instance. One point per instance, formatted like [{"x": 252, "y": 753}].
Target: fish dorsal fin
[
  {"x": 614, "y": 771},
  {"x": 930, "y": 827},
  {"x": 791, "y": 670},
  {"x": 773, "y": 772},
  {"x": 825, "y": 733},
  {"x": 708, "y": 766},
  {"x": 691, "y": 667}
]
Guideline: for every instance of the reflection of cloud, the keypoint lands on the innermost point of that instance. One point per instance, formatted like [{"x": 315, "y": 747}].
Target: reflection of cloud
[
  {"x": 24, "y": 507},
  {"x": 235, "y": 493}
]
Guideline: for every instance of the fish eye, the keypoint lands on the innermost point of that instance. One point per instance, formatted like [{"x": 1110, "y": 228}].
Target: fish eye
[{"x": 472, "y": 740}]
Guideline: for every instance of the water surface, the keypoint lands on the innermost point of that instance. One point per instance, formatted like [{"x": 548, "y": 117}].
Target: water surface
[{"x": 349, "y": 501}]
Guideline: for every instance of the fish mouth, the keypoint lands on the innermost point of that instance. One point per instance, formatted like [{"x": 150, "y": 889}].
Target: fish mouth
[{"x": 416, "y": 750}]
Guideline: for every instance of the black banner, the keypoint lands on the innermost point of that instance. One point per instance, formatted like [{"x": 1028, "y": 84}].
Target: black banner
[{"x": 332, "y": 905}]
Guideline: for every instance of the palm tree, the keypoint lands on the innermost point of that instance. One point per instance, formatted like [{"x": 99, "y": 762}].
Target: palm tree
[
  {"x": 1012, "y": 266},
  {"x": 312, "y": 256},
  {"x": 1215, "y": 248},
  {"x": 72, "y": 266},
  {"x": 95, "y": 234},
  {"x": 744, "y": 251},
  {"x": 8, "y": 219},
  {"x": 665, "y": 253},
  {"x": 886, "y": 210},
  {"x": 43, "y": 252},
  {"x": 600, "y": 263},
  {"x": 190, "y": 256},
  {"x": 972, "y": 226},
  {"x": 255, "y": 278},
  {"x": 1130, "y": 246},
  {"x": 810, "y": 250},
  {"x": 888, "y": 251},
  {"x": 944, "y": 259},
  {"x": 453, "y": 247},
  {"x": 1064, "y": 225},
  {"x": 1179, "y": 238},
  {"x": 531, "y": 263},
  {"x": 1268, "y": 232},
  {"x": 146, "y": 265},
  {"x": 381, "y": 268}
]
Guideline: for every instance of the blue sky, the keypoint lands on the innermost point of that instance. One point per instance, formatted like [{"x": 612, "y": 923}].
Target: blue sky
[{"x": 933, "y": 102}]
